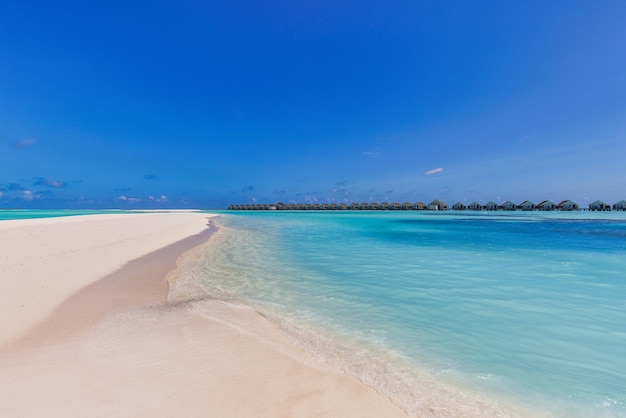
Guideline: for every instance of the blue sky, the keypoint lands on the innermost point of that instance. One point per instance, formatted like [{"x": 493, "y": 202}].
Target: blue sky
[{"x": 205, "y": 103}]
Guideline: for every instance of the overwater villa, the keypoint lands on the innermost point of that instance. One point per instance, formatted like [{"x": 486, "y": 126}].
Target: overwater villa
[
  {"x": 599, "y": 205},
  {"x": 437, "y": 205},
  {"x": 527, "y": 205},
  {"x": 475, "y": 206},
  {"x": 508, "y": 205},
  {"x": 546, "y": 205},
  {"x": 567, "y": 205},
  {"x": 491, "y": 205},
  {"x": 459, "y": 206},
  {"x": 419, "y": 206},
  {"x": 621, "y": 205}
]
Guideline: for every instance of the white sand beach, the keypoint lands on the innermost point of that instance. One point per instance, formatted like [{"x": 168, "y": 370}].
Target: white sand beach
[{"x": 87, "y": 330}]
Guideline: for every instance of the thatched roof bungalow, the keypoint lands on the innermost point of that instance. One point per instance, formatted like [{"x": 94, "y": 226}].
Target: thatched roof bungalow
[
  {"x": 621, "y": 205},
  {"x": 384, "y": 206},
  {"x": 406, "y": 206},
  {"x": 599, "y": 205},
  {"x": 437, "y": 205},
  {"x": 366, "y": 206},
  {"x": 355, "y": 206},
  {"x": 325, "y": 206},
  {"x": 394, "y": 206},
  {"x": 527, "y": 205},
  {"x": 317, "y": 206},
  {"x": 459, "y": 206},
  {"x": 374, "y": 206},
  {"x": 475, "y": 206},
  {"x": 419, "y": 206},
  {"x": 342, "y": 206}
]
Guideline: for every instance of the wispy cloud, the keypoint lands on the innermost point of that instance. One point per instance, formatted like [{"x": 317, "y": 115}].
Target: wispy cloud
[
  {"x": 161, "y": 199},
  {"x": 433, "y": 171},
  {"x": 279, "y": 192},
  {"x": 123, "y": 198},
  {"x": 371, "y": 153},
  {"x": 149, "y": 176},
  {"x": 24, "y": 143},
  {"x": 49, "y": 183},
  {"x": 28, "y": 195},
  {"x": 247, "y": 189},
  {"x": 340, "y": 190}
]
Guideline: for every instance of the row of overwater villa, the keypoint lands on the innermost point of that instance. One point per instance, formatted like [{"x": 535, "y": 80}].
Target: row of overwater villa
[{"x": 527, "y": 205}]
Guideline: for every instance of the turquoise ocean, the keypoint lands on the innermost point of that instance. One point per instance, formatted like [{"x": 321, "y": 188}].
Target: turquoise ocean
[
  {"x": 9, "y": 214},
  {"x": 487, "y": 313},
  {"x": 522, "y": 311}
]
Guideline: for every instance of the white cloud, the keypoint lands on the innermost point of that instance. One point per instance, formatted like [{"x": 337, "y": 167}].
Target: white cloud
[
  {"x": 28, "y": 195},
  {"x": 433, "y": 171},
  {"x": 128, "y": 199},
  {"x": 161, "y": 199}
]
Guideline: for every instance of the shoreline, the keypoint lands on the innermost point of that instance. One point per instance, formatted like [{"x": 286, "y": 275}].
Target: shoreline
[
  {"x": 416, "y": 390},
  {"x": 136, "y": 354}
]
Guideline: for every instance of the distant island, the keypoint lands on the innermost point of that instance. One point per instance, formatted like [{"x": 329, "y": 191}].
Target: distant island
[{"x": 527, "y": 205}]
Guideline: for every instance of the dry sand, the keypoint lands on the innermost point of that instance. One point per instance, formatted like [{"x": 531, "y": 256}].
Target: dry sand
[{"x": 87, "y": 331}]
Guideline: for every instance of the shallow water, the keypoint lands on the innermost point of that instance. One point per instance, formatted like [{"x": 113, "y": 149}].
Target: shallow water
[
  {"x": 10, "y": 214},
  {"x": 475, "y": 313}
]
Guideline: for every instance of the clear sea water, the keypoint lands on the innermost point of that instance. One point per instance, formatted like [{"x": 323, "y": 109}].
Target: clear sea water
[{"x": 444, "y": 311}]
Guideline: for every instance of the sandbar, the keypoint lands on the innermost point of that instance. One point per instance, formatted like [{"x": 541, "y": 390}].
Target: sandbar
[{"x": 87, "y": 330}]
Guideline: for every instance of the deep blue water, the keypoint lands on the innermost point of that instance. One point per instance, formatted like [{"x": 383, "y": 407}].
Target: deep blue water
[{"x": 526, "y": 308}]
